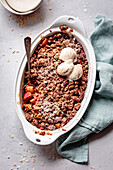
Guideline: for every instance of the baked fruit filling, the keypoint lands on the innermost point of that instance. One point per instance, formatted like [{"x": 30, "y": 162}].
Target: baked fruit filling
[{"x": 54, "y": 94}]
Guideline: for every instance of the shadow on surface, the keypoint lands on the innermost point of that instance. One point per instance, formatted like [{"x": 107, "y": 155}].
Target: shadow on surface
[
  {"x": 49, "y": 152},
  {"x": 103, "y": 133}
]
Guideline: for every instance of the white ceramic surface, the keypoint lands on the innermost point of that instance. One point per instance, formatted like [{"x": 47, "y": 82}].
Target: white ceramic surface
[
  {"x": 80, "y": 34},
  {"x": 11, "y": 8}
]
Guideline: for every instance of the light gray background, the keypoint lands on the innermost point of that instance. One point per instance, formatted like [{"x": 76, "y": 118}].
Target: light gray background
[{"x": 100, "y": 146}]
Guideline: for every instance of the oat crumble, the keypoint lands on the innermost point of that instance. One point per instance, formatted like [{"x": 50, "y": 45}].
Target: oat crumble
[{"x": 50, "y": 101}]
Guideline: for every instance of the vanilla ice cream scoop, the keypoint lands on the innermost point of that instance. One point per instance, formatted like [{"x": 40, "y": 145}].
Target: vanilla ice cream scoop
[
  {"x": 65, "y": 68},
  {"x": 68, "y": 53},
  {"x": 76, "y": 73}
]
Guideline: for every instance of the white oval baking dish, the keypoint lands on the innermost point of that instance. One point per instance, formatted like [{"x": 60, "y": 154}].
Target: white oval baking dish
[{"x": 80, "y": 34}]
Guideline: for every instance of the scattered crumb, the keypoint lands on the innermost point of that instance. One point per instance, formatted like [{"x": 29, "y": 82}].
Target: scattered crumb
[
  {"x": 33, "y": 156},
  {"x": 50, "y": 8},
  {"x": 12, "y": 29},
  {"x": 13, "y": 52},
  {"x": 16, "y": 20},
  {"x": 39, "y": 10},
  {"x": 27, "y": 160},
  {"x": 22, "y": 155},
  {"x": 29, "y": 145},
  {"x": 21, "y": 143},
  {"x": 43, "y": 21},
  {"x": 92, "y": 167},
  {"x": 10, "y": 47},
  {"x": 17, "y": 51},
  {"x": 18, "y": 167},
  {"x": 26, "y": 150},
  {"x": 22, "y": 20},
  {"x": 14, "y": 164},
  {"x": 42, "y": 164},
  {"x": 40, "y": 17},
  {"x": 8, "y": 157},
  {"x": 41, "y": 36},
  {"x": 18, "y": 102},
  {"x": 21, "y": 161},
  {"x": 33, "y": 169},
  {"x": 21, "y": 35},
  {"x": 33, "y": 160},
  {"x": 85, "y": 10},
  {"x": 48, "y": 0},
  {"x": 3, "y": 54},
  {"x": 53, "y": 158},
  {"x": 62, "y": 5},
  {"x": 12, "y": 136},
  {"x": 29, "y": 33}
]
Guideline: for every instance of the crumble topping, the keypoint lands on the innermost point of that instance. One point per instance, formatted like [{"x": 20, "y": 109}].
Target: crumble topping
[{"x": 50, "y": 101}]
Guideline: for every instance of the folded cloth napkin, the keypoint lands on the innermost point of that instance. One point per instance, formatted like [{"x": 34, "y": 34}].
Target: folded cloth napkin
[{"x": 74, "y": 144}]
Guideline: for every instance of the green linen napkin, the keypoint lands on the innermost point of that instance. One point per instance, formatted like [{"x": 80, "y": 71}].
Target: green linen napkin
[{"x": 74, "y": 144}]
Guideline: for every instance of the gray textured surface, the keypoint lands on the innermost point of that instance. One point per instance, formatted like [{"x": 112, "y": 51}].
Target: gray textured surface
[{"x": 100, "y": 146}]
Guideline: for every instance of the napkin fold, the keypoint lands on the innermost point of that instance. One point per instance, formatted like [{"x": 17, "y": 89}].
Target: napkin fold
[{"x": 74, "y": 144}]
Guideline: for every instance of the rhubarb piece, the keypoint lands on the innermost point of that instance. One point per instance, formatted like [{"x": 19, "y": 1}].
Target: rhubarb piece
[{"x": 27, "y": 96}]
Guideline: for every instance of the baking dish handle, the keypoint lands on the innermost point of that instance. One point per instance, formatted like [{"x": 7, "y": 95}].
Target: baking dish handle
[
  {"x": 39, "y": 139},
  {"x": 70, "y": 21}
]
